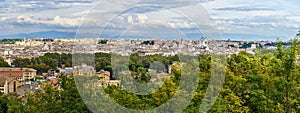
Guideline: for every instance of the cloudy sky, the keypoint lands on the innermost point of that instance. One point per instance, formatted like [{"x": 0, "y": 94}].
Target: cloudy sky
[{"x": 236, "y": 19}]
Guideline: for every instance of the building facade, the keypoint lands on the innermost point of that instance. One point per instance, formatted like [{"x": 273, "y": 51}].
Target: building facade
[
  {"x": 84, "y": 70},
  {"x": 20, "y": 74},
  {"x": 8, "y": 84}
]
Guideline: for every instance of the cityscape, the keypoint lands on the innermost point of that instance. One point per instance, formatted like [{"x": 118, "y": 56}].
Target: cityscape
[
  {"x": 20, "y": 77},
  {"x": 31, "y": 48},
  {"x": 170, "y": 56}
]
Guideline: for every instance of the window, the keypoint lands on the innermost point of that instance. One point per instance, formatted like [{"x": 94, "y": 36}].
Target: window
[{"x": 14, "y": 87}]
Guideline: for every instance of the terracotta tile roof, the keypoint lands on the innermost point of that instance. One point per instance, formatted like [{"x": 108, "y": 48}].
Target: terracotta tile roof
[
  {"x": 17, "y": 69},
  {"x": 53, "y": 81},
  {"x": 15, "y": 72},
  {"x": 12, "y": 74}
]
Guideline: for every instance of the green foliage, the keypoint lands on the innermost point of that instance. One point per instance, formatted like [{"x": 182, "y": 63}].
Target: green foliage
[
  {"x": 103, "y": 41},
  {"x": 3, "y": 104},
  {"x": 3, "y": 63},
  {"x": 9, "y": 41},
  {"x": 43, "y": 63},
  {"x": 49, "y": 100},
  {"x": 263, "y": 82}
]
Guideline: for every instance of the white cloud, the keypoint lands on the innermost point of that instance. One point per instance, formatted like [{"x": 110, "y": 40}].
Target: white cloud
[
  {"x": 5, "y": 18},
  {"x": 259, "y": 17},
  {"x": 142, "y": 18},
  {"x": 72, "y": 22},
  {"x": 232, "y": 16},
  {"x": 181, "y": 25},
  {"x": 57, "y": 20},
  {"x": 7, "y": 26},
  {"x": 294, "y": 18},
  {"x": 130, "y": 19}
]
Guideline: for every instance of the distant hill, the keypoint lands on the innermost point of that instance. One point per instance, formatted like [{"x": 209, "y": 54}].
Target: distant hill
[
  {"x": 42, "y": 34},
  {"x": 249, "y": 37},
  {"x": 58, "y": 34}
]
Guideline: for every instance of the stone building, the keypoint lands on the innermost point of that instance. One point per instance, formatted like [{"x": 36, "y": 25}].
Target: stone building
[
  {"x": 20, "y": 74},
  {"x": 103, "y": 75},
  {"x": 8, "y": 84},
  {"x": 104, "y": 79},
  {"x": 84, "y": 70}
]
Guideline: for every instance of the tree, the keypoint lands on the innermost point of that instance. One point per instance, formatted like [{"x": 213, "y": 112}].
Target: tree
[
  {"x": 3, "y": 63},
  {"x": 3, "y": 103}
]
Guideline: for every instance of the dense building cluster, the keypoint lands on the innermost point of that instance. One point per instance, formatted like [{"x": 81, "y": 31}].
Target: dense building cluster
[
  {"x": 12, "y": 78},
  {"x": 29, "y": 48}
]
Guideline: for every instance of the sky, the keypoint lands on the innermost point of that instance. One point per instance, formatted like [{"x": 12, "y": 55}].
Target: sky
[{"x": 236, "y": 19}]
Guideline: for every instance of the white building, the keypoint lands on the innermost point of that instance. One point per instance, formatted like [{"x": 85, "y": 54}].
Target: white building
[
  {"x": 8, "y": 52},
  {"x": 253, "y": 46}
]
